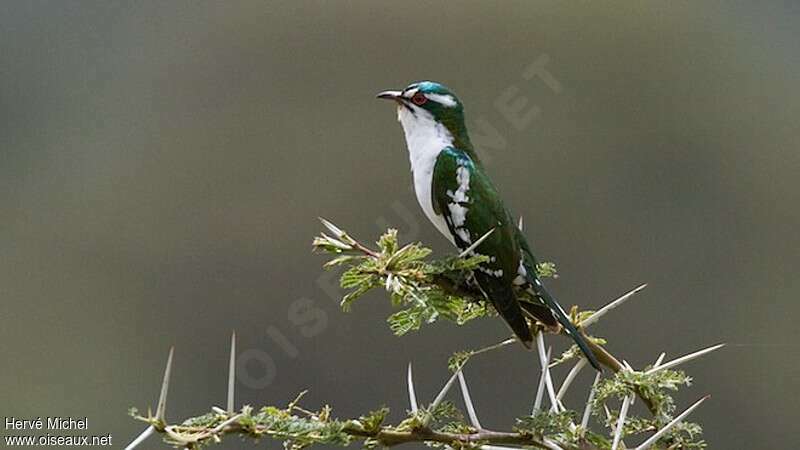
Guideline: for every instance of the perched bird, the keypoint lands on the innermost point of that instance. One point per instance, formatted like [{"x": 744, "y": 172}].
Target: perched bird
[{"x": 459, "y": 198}]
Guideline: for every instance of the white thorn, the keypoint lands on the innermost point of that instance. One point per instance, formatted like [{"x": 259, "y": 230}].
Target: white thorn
[
  {"x": 445, "y": 389},
  {"x": 162, "y": 398},
  {"x": 475, "y": 244},
  {"x": 544, "y": 360},
  {"x": 623, "y": 412},
  {"x": 473, "y": 417},
  {"x": 550, "y": 444},
  {"x": 652, "y": 440},
  {"x": 389, "y": 280},
  {"x": 570, "y": 378},
  {"x": 519, "y": 223},
  {"x": 683, "y": 359},
  {"x": 412, "y": 396},
  {"x": 627, "y": 366},
  {"x": 659, "y": 360},
  {"x": 332, "y": 228},
  {"x": 540, "y": 391},
  {"x": 141, "y": 438},
  {"x": 605, "y": 309},
  {"x": 232, "y": 374},
  {"x": 588, "y": 411}
]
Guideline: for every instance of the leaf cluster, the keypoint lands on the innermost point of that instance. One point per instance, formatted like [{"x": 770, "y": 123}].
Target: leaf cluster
[
  {"x": 422, "y": 289},
  {"x": 425, "y": 290},
  {"x": 553, "y": 425},
  {"x": 656, "y": 388}
]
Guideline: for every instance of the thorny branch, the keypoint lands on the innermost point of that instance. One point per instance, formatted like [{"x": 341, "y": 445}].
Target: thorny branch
[
  {"x": 455, "y": 285},
  {"x": 414, "y": 282}
]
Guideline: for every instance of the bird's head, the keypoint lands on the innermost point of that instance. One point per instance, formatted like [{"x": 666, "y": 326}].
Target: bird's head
[{"x": 425, "y": 105}]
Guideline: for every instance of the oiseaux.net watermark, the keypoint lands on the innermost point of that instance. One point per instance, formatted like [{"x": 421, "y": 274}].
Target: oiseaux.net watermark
[{"x": 52, "y": 432}]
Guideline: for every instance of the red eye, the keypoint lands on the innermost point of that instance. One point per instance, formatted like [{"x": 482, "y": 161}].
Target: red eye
[{"x": 419, "y": 99}]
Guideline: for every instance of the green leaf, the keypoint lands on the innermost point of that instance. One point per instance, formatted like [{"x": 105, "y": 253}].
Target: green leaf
[
  {"x": 458, "y": 359},
  {"x": 409, "y": 254},
  {"x": 338, "y": 261},
  {"x": 654, "y": 387},
  {"x": 388, "y": 241},
  {"x": 348, "y": 299},
  {"x": 372, "y": 421},
  {"x": 545, "y": 423},
  {"x": 546, "y": 269},
  {"x": 406, "y": 320},
  {"x": 354, "y": 277}
]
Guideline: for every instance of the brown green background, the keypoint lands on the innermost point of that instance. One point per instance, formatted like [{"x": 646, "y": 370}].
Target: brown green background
[{"x": 162, "y": 165}]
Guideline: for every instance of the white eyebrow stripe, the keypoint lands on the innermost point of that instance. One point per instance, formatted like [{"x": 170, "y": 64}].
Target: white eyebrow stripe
[
  {"x": 410, "y": 93},
  {"x": 443, "y": 99}
]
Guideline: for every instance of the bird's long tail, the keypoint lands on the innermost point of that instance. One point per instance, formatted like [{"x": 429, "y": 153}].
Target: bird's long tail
[{"x": 561, "y": 316}]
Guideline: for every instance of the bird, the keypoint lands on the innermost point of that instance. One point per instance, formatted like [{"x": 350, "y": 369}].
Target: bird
[{"x": 456, "y": 194}]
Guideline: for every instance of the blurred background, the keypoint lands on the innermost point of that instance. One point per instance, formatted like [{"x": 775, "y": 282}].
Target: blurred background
[{"x": 163, "y": 164}]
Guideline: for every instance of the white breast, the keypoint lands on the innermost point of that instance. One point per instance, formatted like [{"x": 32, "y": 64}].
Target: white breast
[{"x": 425, "y": 138}]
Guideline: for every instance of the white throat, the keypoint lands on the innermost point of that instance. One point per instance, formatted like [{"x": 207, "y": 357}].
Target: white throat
[{"x": 425, "y": 139}]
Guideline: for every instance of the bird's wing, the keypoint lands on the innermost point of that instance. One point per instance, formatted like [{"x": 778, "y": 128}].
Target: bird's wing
[{"x": 465, "y": 196}]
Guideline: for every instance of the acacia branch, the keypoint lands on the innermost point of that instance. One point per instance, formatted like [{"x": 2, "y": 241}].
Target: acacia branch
[
  {"x": 193, "y": 437},
  {"x": 432, "y": 289},
  {"x": 390, "y": 438},
  {"x": 453, "y": 287}
]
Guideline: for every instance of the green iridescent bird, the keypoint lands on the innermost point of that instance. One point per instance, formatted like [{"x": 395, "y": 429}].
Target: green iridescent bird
[{"x": 461, "y": 201}]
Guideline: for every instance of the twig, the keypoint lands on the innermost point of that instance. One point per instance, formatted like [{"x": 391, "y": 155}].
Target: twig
[{"x": 391, "y": 438}]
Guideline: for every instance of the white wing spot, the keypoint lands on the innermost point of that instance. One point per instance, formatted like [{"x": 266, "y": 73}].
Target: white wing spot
[
  {"x": 462, "y": 176},
  {"x": 494, "y": 273},
  {"x": 458, "y": 214},
  {"x": 522, "y": 274}
]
